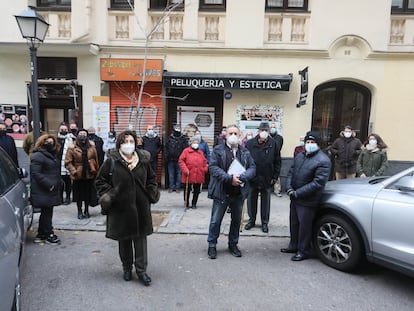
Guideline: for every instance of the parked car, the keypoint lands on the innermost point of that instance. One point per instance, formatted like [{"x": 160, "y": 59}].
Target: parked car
[
  {"x": 367, "y": 218},
  {"x": 15, "y": 219}
]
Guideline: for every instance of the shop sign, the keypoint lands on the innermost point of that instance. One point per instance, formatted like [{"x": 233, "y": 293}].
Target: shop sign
[
  {"x": 119, "y": 69},
  {"x": 227, "y": 81}
]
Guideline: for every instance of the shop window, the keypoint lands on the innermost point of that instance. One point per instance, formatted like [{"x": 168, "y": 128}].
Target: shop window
[
  {"x": 337, "y": 104},
  {"x": 212, "y": 5},
  {"x": 54, "y": 4},
  {"x": 160, "y": 5},
  {"x": 121, "y": 4},
  {"x": 287, "y": 5},
  {"x": 402, "y": 7}
]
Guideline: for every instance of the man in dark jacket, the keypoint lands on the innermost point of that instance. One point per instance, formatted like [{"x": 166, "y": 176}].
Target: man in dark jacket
[
  {"x": 152, "y": 143},
  {"x": 305, "y": 183},
  {"x": 279, "y": 142},
  {"x": 8, "y": 144},
  {"x": 346, "y": 150},
  {"x": 228, "y": 188},
  {"x": 176, "y": 143},
  {"x": 98, "y": 144},
  {"x": 266, "y": 155}
]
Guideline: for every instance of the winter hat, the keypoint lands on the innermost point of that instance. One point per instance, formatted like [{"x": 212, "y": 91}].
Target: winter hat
[
  {"x": 264, "y": 126},
  {"x": 313, "y": 136}
]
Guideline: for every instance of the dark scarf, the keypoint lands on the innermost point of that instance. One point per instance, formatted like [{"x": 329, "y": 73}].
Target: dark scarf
[{"x": 85, "y": 162}]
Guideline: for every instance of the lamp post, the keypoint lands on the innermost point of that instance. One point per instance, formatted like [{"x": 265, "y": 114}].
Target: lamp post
[{"x": 33, "y": 28}]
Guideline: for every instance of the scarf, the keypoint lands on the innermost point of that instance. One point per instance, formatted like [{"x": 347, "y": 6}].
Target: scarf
[{"x": 132, "y": 163}]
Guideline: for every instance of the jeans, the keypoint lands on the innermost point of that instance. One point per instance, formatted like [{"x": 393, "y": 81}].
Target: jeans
[
  {"x": 45, "y": 221},
  {"x": 264, "y": 204},
  {"x": 174, "y": 175},
  {"x": 217, "y": 213}
]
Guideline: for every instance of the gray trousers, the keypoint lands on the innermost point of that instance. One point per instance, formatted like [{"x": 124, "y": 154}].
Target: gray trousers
[{"x": 127, "y": 254}]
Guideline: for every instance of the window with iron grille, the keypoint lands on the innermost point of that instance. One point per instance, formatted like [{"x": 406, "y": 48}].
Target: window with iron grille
[
  {"x": 57, "y": 68},
  {"x": 287, "y": 5},
  {"x": 212, "y": 5},
  {"x": 54, "y": 4},
  {"x": 402, "y": 7},
  {"x": 121, "y": 4},
  {"x": 160, "y": 5}
]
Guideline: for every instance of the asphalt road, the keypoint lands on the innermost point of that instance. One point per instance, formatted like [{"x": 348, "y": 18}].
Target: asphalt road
[{"x": 84, "y": 273}]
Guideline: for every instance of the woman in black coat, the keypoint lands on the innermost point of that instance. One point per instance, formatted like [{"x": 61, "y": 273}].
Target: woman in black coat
[
  {"x": 127, "y": 186},
  {"x": 45, "y": 185}
]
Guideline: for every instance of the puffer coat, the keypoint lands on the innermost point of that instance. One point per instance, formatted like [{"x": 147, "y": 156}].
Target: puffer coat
[
  {"x": 126, "y": 196},
  {"x": 346, "y": 152},
  {"x": 372, "y": 162},
  {"x": 73, "y": 162},
  {"x": 44, "y": 175},
  {"x": 195, "y": 163},
  {"x": 308, "y": 176}
]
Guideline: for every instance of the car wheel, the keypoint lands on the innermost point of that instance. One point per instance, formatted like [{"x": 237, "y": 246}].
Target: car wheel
[{"x": 337, "y": 242}]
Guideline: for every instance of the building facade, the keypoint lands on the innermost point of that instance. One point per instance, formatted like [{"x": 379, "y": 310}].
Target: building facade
[{"x": 303, "y": 64}]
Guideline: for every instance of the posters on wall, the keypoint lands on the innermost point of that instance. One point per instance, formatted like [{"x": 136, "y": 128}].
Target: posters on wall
[
  {"x": 250, "y": 116},
  {"x": 15, "y": 118},
  {"x": 100, "y": 116}
]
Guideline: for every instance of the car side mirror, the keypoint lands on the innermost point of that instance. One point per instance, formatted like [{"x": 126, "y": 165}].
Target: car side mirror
[
  {"x": 22, "y": 172},
  {"x": 406, "y": 184}
]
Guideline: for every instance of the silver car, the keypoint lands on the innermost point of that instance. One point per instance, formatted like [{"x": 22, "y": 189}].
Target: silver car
[
  {"x": 371, "y": 218},
  {"x": 15, "y": 219}
]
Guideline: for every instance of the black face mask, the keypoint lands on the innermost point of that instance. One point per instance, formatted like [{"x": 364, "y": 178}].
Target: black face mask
[
  {"x": 63, "y": 133},
  {"x": 49, "y": 147},
  {"x": 74, "y": 131},
  {"x": 3, "y": 132},
  {"x": 82, "y": 139},
  {"x": 177, "y": 133}
]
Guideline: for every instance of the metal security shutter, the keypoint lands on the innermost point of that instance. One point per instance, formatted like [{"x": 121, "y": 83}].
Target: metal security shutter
[
  {"x": 123, "y": 109},
  {"x": 57, "y": 68}
]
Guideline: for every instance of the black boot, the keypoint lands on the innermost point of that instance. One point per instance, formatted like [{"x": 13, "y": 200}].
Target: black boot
[
  {"x": 194, "y": 201},
  {"x": 80, "y": 215},
  {"x": 86, "y": 213}
]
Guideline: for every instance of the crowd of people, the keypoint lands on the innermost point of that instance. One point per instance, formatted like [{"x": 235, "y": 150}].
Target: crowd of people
[{"x": 76, "y": 165}]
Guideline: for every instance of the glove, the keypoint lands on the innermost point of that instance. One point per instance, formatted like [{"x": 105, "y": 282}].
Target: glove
[{"x": 291, "y": 193}]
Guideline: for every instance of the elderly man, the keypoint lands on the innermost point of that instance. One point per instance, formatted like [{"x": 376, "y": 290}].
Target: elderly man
[
  {"x": 231, "y": 169},
  {"x": 152, "y": 143},
  {"x": 306, "y": 180}
]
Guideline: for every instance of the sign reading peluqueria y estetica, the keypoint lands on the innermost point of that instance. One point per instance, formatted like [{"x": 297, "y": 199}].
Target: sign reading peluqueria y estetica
[{"x": 226, "y": 81}]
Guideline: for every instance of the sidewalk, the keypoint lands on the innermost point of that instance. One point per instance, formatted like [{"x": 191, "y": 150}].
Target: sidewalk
[{"x": 177, "y": 220}]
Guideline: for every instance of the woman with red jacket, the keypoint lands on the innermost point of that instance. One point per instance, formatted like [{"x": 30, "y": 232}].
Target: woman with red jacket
[{"x": 193, "y": 166}]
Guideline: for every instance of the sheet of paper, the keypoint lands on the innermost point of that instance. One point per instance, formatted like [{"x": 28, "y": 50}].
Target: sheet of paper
[{"x": 236, "y": 168}]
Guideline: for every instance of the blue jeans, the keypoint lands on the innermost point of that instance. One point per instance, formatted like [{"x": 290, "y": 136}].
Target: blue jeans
[
  {"x": 174, "y": 175},
  {"x": 217, "y": 213}
]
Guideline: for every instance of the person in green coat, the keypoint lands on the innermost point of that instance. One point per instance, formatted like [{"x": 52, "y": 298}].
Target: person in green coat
[
  {"x": 372, "y": 160},
  {"x": 126, "y": 186}
]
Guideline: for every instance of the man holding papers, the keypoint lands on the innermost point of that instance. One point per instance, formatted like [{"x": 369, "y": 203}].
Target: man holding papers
[
  {"x": 230, "y": 168},
  {"x": 266, "y": 154}
]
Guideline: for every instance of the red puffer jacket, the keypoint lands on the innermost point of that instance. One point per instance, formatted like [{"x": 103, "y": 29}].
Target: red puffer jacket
[{"x": 193, "y": 162}]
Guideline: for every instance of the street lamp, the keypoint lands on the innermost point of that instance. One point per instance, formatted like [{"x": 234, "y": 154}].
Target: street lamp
[{"x": 33, "y": 28}]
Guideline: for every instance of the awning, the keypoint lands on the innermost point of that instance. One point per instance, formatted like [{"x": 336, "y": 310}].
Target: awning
[{"x": 228, "y": 81}]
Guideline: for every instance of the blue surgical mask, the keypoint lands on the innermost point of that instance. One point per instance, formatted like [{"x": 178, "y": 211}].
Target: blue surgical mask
[
  {"x": 150, "y": 133},
  {"x": 312, "y": 147},
  {"x": 301, "y": 143},
  {"x": 272, "y": 130}
]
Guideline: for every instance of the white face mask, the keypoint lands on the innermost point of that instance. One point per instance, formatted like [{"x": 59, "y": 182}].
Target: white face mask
[
  {"x": 348, "y": 134},
  {"x": 373, "y": 142},
  {"x": 264, "y": 135},
  {"x": 127, "y": 148},
  {"x": 233, "y": 140},
  {"x": 311, "y": 147},
  {"x": 194, "y": 146}
]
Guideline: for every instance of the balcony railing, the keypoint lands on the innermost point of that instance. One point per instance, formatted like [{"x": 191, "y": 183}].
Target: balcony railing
[
  {"x": 60, "y": 25},
  {"x": 283, "y": 28},
  {"x": 402, "y": 30}
]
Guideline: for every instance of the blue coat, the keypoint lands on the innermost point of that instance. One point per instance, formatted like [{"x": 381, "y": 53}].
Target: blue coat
[
  {"x": 308, "y": 176},
  {"x": 45, "y": 173},
  {"x": 218, "y": 175}
]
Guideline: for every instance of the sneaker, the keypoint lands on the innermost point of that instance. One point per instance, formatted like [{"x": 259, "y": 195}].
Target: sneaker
[
  {"x": 234, "y": 250},
  {"x": 53, "y": 240},
  {"x": 39, "y": 238},
  {"x": 212, "y": 252}
]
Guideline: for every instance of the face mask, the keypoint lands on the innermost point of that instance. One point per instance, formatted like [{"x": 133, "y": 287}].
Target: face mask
[
  {"x": 82, "y": 138},
  {"x": 264, "y": 135},
  {"x": 127, "y": 148},
  {"x": 177, "y": 133},
  {"x": 301, "y": 143},
  {"x": 233, "y": 140},
  {"x": 194, "y": 146},
  {"x": 150, "y": 133},
  {"x": 272, "y": 130},
  {"x": 248, "y": 137},
  {"x": 63, "y": 133},
  {"x": 49, "y": 146},
  {"x": 311, "y": 147},
  {"x": 198, "y": 137},
  {"x": 347, "y": 134},
  {"x": 74, "y": 131},
  {"x": 373, "y": 142}
]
